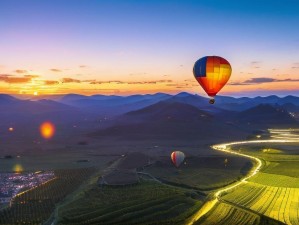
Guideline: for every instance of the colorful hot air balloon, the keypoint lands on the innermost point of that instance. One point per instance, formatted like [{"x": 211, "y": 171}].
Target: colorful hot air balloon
[
  {"x": 177, "y": 157},
  {"x": 212, "y": 73}
]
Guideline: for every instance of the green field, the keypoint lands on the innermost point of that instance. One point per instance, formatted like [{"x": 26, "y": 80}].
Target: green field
[
  {"x": 36, "y": 205},
  {"x": 144, "y": 203},
  {"x": 204, "y": 173},
  {"x": 55, "y": 159},
  {"x": 273, "y": 191}
]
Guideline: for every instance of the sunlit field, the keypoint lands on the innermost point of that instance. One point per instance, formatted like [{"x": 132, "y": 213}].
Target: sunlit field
[{"x": 273, "y": 191}]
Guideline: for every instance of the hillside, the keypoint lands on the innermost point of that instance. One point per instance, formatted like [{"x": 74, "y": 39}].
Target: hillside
[
  {"x": 266, "y": 115},
  {"x": 172, "y": 121}
]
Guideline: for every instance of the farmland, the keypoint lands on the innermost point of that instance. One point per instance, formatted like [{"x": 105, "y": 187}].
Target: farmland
[
  {"x": 276, "y": 202},
  {"x": 272, "y": 192},
  {"x": 269, "y": 195},
  {"x": 228, "y": 214},
  {"x": 36, "y": 205},
  {"x": 144, "y": 203},
  {"x": 200, "y": 172}
]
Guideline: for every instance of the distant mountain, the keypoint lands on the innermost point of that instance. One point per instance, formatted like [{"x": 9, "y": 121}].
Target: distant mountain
[
  {"x": 169, "y": 110},
  {"x": 16, "y": 111},
  {"x": 69, "y": 98},
  {"x": 112, "y": 105},
  {"x": 197, "y": 101},
  {"x": 4, "y": 99},
  {"x": 170, "y": 120},
  {"x": 241, "y": 104},
  {"x": 266, "y": 115}
]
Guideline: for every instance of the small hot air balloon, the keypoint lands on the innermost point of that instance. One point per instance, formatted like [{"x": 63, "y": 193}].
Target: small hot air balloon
[
  {"x": 177, "y": 157},
  {"x": 212, "y": 73}
]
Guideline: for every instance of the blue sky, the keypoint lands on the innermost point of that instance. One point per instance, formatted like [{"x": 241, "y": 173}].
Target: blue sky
[{"x": 148, "y": 41}]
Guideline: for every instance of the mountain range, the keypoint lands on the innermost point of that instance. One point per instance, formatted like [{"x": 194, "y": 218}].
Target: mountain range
[{"x": 159, "y": 114}]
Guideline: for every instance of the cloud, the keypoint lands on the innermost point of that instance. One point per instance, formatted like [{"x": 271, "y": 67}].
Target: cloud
[
  {"x": 295, "y": 65},
  {"x": 70, "y": 80},
  {"x": 95, "y": 82},
  {"x": 10, "y": 79},
  {"x": 31, "y": 76},
  {"x": 82, "y": 66},
  {"x": 21, "y": 71},
  {"x": 256, "y": 64},
  {"x": 261, "y": 80},
  {"x": 56, "y": 70},
  {"x": 51, "y": 82},
  {"x": 127, "y": 82}
]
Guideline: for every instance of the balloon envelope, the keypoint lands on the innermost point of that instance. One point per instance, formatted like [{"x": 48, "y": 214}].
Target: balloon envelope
[
  {"x": 177, "y": 157},
  {"x": 212, "y": 73}
]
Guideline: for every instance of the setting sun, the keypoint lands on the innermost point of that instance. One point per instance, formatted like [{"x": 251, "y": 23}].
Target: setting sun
[{"x": 35, "y": 93}]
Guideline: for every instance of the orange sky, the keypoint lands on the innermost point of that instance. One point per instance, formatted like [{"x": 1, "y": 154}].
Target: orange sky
[
  {"x": 86, "y": 81},
  {"x": 131, "y": 47}
]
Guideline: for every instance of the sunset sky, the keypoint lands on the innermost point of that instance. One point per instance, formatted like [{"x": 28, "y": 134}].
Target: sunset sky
[{"x": 132, "y": 46}]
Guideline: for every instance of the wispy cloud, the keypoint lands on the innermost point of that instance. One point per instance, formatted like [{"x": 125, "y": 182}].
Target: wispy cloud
[
  {"x": 70, "y": 80},
  {"x": 131, "y": 82},
  {"x": 83, "y": 66},
  {"x": 56, "y": 70},
  {"x": 31, "y": 76},
  {"x": 261, "y": 80},
  {"x": 295, "y": 65},
  {"x": 21, "y": 71},
  {"x": 51, "y": 82},
  {"x": 255, "y": 64},
  {"x": 10, "y": 79}
]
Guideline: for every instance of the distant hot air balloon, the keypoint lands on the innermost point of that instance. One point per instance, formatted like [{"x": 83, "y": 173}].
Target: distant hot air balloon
[
  {"x": 212, "y": 73},
  {"x": 177, "y": 157}
]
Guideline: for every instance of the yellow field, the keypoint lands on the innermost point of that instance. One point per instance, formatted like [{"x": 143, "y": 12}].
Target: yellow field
[
  {"x": 224, "y": 214},
  {"x": 276, "y": 180},
  {"x": 280, "y": 203}
]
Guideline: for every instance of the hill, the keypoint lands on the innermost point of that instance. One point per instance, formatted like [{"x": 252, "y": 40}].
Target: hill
[
  {"x": 169, "y": 120},
  {"x": 266, "y": 115}
]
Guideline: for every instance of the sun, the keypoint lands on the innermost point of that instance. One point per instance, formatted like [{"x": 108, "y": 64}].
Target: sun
[{"x": 35, "y": 93}]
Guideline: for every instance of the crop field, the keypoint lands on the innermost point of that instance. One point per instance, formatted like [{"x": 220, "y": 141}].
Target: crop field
[
  {"x": 203, "y": 173},
  {"x": 276, "y": 180},
  {"x": 224, "y": 214},
  {"x": 36, "y": 205},
  {"x": 280, "y": 203},
  {"x": 143, "y": 203}
]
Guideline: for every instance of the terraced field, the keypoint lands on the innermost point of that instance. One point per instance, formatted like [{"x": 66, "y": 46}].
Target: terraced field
[
  {"x": 276, "y": 180},
  {"x": 225, "y": 214},
  {"x": 144, "y": 203},
  {"x": 270, "y": 192},
  {"x": 280, "y": 203}
]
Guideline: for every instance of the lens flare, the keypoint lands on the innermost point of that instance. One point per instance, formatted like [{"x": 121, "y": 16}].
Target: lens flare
[
  {"x": 18, "y": 168},
  {"x": 47, "y": 130}
]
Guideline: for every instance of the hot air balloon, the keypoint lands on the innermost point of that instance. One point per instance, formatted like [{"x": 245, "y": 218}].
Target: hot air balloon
[
  {"x": 212, "y": 73},
  {"x": 177, "y": 157}
]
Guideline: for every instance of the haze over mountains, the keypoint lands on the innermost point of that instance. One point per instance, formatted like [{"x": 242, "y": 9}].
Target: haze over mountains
[{"x": 159, "y": 115}]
